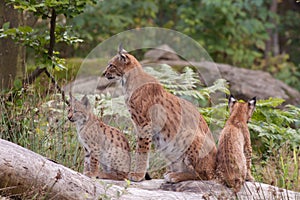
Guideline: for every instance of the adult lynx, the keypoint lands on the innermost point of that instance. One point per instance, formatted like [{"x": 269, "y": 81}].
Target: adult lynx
[
  {"x": 102, "y": 143},
  {"x": 172, "y": 124},
  {"x": 235, "y": 151}
]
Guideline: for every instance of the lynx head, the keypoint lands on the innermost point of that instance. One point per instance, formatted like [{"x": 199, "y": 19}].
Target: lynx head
[
  {"x": 79, "y": 110},
  {"x": 242, "y": 110},
  {"x": 120, "y": 64}
]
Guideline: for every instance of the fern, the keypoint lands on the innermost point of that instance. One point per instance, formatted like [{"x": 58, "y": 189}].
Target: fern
[
  {"x": 270, "y": 127},
  {"x": 186, "y": 84}
]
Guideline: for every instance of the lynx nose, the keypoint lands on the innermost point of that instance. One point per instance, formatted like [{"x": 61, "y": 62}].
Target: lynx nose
[
  {"x": 104, "y": 73},
  {"x": 70, "y": 117}
]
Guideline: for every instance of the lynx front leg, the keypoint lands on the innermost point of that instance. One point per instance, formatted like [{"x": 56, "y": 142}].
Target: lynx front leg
[
  {"x": 248, "y": 155},
  {"x": 112, "y": 176},
  {"x": 181, "y": 170},
  {"x": 142, "y": 154},
  {"x": 175, "y": 177},
  {"x": 94, "y": 164},
  {"x": 86, "y": 165}
]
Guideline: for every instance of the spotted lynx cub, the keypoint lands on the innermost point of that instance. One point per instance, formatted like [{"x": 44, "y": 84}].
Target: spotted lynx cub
[
  {"x": 174, "y": 125},
  {"x": 235, "y": 151},
  {"x": 102, "y": 143}
]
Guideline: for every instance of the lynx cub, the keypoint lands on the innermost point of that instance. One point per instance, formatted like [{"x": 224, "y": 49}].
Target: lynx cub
[
  {"x": 102, "y": 143},
  {"x": 235, "y": 151},
  {"x": 174, "y": 125}
]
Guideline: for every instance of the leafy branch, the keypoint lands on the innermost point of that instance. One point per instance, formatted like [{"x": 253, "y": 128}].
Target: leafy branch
[{"x": 43, "y": 44}]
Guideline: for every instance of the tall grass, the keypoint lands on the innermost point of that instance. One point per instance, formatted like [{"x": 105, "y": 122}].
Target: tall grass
[
  {"x": 280, "y": 169},
  {"x": 35, "y": 118}
]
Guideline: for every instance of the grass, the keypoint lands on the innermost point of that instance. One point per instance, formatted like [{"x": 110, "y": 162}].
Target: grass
[
  {"x": 280, "y": 169},
  {"x": 28, "y": 121}
]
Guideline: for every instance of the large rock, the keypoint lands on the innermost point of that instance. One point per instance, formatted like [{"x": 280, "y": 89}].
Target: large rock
[
  {"x": 244, "y": 83},
  {"x": 163, "y": 52}
]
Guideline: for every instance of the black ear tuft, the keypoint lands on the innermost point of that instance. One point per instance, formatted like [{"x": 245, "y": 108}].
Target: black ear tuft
[
  {"x": 122, "y": 54},
  {"x": 71, "y": 97},
  {"x": 231, "y": 100},
  {"x": 121, "y": 50},
  {"x": 252, "y": 102},
  {"x": 85, "y": 101}
]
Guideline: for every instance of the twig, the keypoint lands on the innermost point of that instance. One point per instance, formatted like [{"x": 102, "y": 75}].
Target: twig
[{"x": 57, "y": 86}]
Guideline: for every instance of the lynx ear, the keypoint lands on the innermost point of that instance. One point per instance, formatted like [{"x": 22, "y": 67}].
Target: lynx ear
[
  {"x": 122, "y": 54},
  {"x": 85, "y": 102},
  {"x": 251, "y": 107},
  {"x": 252, "y": 103},
  {"x": 231, "y": 102},
  {"x": 72, "y": 98}
]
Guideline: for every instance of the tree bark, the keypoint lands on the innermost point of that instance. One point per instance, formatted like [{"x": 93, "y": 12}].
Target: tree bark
[
  {"x": 27, "y": 175},
  {"x": 272, "y": 44},
  {"x": 23, "y": 172},
  {"x": 11, "y": 55}
]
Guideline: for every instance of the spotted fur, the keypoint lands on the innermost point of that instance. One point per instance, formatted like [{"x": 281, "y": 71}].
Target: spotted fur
[
  {"x": 103, "y": 144},
  {"x": 234, "y": 150},
  {"x": 174, "y": 125}
]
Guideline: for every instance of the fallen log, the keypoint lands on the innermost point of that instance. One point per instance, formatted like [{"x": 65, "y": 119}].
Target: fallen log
[{"x": 28, "y": 175}]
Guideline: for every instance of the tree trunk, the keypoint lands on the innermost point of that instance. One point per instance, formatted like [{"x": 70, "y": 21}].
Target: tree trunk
[
  {"x": 27, "y": 175},
  {"x": 272, "y": 45},
  {"x": 12, "y": 56}
]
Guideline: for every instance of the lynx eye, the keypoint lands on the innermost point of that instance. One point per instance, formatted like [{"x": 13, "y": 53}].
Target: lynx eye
[{"x": 112, "y": 66}]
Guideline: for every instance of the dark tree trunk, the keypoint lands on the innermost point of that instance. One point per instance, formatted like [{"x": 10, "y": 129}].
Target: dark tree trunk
[
  {"x": 272, "y": 45},
  {"x": 12, "y": 56}
]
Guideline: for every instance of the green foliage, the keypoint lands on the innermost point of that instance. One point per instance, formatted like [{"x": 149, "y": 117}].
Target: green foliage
[
  {"x": 186, "y": 84},
  {"x": 218, "y": 21},
  {"x": 108, "y": 18},
  {"x": 119, "y": 193},
  {"x": 42, "y": 8},
  {"x": 281, "y": 168},
  {"x": 289, "y": 26},
  {"x": 270, "y": 127},
  {"x": 41, "y": 127},
  {"x": 233, "y": 32},
  {"x": 281, "y": 68},
  {"x": 41, "y": 40},
  {"x": 273, "y": 127}
]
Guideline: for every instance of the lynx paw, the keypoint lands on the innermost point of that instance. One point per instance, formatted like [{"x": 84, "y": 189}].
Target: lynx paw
[
  {"x": 91, "y": 175},
  {"x": 136, "y": 177},
  {"x": 250, "y": 178},
  {"x": 171, "y": 177}
]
